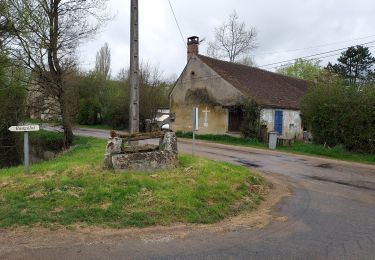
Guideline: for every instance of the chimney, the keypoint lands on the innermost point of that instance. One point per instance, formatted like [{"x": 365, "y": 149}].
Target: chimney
[{"x": 192, "y": 46}]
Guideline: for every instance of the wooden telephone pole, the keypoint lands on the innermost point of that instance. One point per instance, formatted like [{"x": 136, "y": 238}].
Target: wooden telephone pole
[{"x": 134, "y": 69}]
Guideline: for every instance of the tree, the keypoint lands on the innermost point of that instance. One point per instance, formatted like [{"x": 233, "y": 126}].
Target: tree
[
  {"x": 356, "y": 65},
  {"x": 233, "y": 40},
  {"x": 47, "y": 34},
  {"x": 5, "y": 24},
  {"x": 107, "y": 102},
  {"x": 248, "y": 61},
  {"x": 302, "y": 69},
  {"x": 103, "y": 62},
  {"x": 153, "y": 91},
  {"x": 13, "y": 84},
  {"x": 92, "y": 98}
]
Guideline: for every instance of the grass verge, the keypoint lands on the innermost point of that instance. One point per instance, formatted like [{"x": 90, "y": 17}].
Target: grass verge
[
  {"x": 224, "y": 139},
  {"x": 73, "y": 190},
  {"x": 338, "y": 152},
  {"x": 99, "y": 127}
]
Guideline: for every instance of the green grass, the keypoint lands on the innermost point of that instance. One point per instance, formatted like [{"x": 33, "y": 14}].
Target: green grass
[
  {"x": 73, "y": 189},
  {"x": 338, "y": 152},
  {"x": 224, "y": 139},
  {"x": 100, "y": 127},
  {"x": 50, "y": 141}
]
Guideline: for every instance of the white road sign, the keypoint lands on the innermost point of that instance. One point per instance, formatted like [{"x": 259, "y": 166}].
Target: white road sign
[{"x": 24, "y": 128}]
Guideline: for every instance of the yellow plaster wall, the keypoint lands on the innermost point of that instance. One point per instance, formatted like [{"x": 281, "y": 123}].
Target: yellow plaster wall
[{"x": 217, "y": 119}]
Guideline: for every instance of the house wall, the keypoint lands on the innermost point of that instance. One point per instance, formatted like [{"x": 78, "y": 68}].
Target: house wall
[
  {"x": 217, "y": 119},
  {"x": 209, "y": 90},
  {"x": 198, "y": 77},
  {"x": 292, "y": 126},
  {"x": 215, "y": 93}
]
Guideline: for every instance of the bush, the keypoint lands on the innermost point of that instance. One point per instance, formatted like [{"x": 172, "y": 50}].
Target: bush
[
  {"x": 117, "y": 113},
  {"x": 89, "y": 112},
  {"x": 47, "y": 141},
  {"x": 251, "y": 119},
  {"x": 338, "y": 114}
]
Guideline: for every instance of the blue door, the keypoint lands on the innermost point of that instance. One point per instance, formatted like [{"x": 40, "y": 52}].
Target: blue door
[{"x": 279, "y": 122}]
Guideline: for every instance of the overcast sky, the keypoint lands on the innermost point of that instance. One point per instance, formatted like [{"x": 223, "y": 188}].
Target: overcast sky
[{"x": 282, "y": 26}]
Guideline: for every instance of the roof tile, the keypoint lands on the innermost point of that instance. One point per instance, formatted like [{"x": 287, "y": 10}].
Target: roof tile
[{"x": 267, "y": 88}]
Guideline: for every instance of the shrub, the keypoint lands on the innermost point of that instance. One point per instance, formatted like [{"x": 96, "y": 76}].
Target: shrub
[
  {"x": 89, "y": 112},
  {"x": 251, "y": 119},
  {"x": 338, "y": 114},
  {"x": 47, "y": 141}
]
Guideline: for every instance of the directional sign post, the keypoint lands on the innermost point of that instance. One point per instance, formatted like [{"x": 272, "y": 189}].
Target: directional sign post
[
  {"x": 26, "y": 153},
  {"x": 195, "y": 126}
]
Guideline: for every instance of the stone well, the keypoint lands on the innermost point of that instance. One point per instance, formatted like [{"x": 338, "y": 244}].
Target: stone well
[{"x": 121, "y": 156}]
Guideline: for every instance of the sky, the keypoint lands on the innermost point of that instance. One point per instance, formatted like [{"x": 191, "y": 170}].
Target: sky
[{"x": 287, "y": 29}]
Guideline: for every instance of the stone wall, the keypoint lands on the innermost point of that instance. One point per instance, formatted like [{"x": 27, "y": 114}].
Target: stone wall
[{"x": 163, "y": 158}]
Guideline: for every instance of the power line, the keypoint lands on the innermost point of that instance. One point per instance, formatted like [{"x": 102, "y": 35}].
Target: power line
[
  {"x": 312, "y": 47},
  {"x": 323, "y": 57},
  {"x": 309, "y": 56},
  {"x": 178, "y": 26}
]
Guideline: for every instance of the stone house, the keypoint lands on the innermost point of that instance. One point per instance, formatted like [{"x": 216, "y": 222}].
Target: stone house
[{"x": 218, "y": 88}]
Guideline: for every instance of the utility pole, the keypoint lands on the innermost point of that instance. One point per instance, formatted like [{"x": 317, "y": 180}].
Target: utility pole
[{"x": 134, "y": 69}]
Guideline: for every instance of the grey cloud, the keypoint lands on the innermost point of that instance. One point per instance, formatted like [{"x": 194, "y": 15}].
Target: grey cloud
[{"x": 281, "y": 25}]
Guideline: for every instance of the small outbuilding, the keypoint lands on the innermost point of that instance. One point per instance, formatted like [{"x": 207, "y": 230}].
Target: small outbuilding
[{"x": 218, "y": 88}]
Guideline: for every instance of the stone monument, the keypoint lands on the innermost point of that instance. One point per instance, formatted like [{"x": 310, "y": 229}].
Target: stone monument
[{"x": 122, "y": 155}]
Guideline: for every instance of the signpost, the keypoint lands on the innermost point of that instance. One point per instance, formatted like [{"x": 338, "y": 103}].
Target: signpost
[
  {"x": 195, "y": 126},
  {"x": 25, "y": 129}
]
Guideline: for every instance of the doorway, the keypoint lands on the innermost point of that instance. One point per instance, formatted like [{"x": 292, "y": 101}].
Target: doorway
[
  {"x": 279, "y": 122},
  {"x": 235, "y": 118}
]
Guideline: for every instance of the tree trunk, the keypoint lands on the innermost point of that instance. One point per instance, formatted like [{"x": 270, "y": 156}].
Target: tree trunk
[{"x": 66, "y": 123}]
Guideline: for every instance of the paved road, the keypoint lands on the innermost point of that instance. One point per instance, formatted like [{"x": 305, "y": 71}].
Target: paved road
[{"x": 331, "y": 215}]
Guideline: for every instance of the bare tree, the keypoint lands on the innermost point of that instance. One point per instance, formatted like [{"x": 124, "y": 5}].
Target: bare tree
[
  {"x": 123, "y": 75},
  {"x": 154, "y": 89},
  {"x": 233, "y": 40},
  {"x": 47, "y": 34},
  {"x": 103, "y": 61},
  {"x": 247, "y": 60}
]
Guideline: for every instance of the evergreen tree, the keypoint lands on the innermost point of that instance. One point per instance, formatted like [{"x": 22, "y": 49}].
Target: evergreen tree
[{"x": 356, "y": 65}]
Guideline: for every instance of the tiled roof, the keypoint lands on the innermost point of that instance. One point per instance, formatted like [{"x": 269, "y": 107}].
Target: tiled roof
[{"x": 267, "y": 88}]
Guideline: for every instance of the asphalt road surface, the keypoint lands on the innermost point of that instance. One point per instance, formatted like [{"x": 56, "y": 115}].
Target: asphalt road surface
[{"x": 330, "y": 215}]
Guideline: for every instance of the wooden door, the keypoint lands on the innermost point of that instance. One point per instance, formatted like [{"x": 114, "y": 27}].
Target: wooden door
[{"x": 235, "y": 118}]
